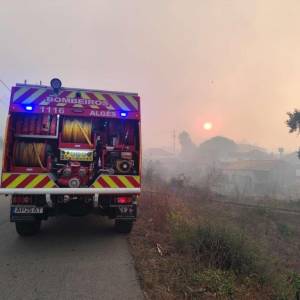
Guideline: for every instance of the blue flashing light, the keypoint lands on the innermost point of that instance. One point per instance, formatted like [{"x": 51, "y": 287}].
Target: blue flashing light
[
  {"x": 123, "y": 114},
  {"x": 29, "y": 107}
]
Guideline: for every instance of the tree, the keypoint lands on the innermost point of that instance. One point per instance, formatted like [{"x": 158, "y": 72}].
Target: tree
[
  {"x": 293, "y": 123},
  {"x": 188, "y": 148}
]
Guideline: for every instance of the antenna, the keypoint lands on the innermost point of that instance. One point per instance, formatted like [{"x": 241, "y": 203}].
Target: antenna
[{"x": 174, "y": 141}]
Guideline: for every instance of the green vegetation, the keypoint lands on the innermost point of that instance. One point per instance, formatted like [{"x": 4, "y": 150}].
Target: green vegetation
[
  {"x": 220, "y": 247},
  {"x": 285, "y": 230},
  {"x": 222, "y": 283}
]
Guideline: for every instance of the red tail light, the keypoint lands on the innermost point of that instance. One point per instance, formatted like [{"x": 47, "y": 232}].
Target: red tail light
[
  {"x": 124, "y": 200},
  {"x": 21, "y": 200}
]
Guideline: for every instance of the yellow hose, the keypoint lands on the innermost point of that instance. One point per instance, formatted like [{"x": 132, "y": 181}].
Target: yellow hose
[
  {"x": 29, "y": 154},
  {"x": 77, "y": 131},
  {"x": 37, "y": 155},
  {"x": 84, "y": 133}
]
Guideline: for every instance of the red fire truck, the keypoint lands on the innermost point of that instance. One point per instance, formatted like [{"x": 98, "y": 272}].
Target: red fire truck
[{"x": 71, "y": 151}]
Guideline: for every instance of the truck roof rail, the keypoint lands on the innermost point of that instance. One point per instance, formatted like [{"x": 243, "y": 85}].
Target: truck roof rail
[{"x": 78, "y": 89}]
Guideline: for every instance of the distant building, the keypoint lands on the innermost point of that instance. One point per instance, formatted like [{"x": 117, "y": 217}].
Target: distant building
[
  {"x": 157, "y": 153},
  {"x": 252, "y": 155},
  {"x": 256, "y": 178}
]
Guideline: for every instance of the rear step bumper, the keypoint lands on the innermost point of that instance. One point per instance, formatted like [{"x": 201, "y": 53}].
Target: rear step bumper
[{"x": 72, "y": 191}]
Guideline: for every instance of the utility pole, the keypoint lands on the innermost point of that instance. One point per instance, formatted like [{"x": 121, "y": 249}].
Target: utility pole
[
  {"x": 281, "y": 151},
  {"x": 174, "y": 141}
]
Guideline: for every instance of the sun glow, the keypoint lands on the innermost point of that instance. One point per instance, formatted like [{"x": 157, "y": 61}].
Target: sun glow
[{"x": 207, "y": 126}]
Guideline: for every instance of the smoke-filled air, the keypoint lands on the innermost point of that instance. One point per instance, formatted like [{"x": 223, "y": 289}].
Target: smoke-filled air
[{"x": 174, "y": 123}]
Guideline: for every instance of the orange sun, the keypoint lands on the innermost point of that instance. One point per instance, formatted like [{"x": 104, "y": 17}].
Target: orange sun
[{"x": 207, "y": 126}]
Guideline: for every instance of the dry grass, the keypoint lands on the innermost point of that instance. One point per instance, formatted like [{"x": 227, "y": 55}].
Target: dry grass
[{"x": 186, "y": 247}]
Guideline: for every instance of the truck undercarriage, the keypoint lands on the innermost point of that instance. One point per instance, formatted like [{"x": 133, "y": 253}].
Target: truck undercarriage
[{"x": 29, "y": 210}]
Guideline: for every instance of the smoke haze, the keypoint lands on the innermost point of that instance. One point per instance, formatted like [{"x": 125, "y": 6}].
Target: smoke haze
[{"x": 230, "y": 62}]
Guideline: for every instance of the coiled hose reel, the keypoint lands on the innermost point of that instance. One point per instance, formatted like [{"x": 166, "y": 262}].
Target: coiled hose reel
[
  {"x": 28, "y": 154},
  {"x": 77, "y": 131}
]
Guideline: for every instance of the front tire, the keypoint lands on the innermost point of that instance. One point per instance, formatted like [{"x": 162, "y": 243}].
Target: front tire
[
  {"x": 123, "y": 226},
  {"x": 28, "y": 228}
]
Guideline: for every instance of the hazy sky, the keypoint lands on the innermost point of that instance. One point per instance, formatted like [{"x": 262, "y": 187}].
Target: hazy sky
[{"x": 235, "y": 63}]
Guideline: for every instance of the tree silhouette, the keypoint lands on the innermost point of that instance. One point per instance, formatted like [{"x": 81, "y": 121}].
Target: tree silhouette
[
  {"x": 188, "y": 148},
  {"x": 293, "y": 123}
]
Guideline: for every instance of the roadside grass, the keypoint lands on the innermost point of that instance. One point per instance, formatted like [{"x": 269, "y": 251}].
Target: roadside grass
[
  {"x": 286, "y": 230},
  {"x": 224, "y": 248},
  {"x": 186, "y": 249},
  {"x": 221, "y": 283}
]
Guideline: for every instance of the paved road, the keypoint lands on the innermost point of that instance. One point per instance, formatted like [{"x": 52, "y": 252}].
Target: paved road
[{"x": 72, "y": 258}]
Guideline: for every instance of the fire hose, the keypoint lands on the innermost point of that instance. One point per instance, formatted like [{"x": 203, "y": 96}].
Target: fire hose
[
  {"x": 23, "y": 154},
  {"x": 77, "y": 131}
]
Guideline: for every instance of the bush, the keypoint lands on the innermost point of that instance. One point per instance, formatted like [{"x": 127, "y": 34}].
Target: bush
[
  {"x": 224, "y": 248},
  {"x": 286, "y": 286},
  {"x": 182, "y": 231},
  {"x": 216, "y": 281},
  {"x": 285, "y": 230},
  {"x": 261, "y": 211}
]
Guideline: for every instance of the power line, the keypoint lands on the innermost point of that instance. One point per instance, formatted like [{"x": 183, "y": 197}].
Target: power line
[
  {"x": 3, "y": 103},
  {"x": 5, "y": 84}
]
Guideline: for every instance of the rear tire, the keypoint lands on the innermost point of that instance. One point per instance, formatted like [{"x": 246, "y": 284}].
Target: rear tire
[
  {"x": 28, "y": 228},
  {"x": 123, "y": 226}
]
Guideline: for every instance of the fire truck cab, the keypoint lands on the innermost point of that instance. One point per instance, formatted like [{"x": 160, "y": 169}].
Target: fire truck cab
[{"x": 71, "y": 151}]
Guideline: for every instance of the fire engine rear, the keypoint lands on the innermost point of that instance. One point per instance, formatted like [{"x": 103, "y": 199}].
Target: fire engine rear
[{"x": 71, "y": 151}]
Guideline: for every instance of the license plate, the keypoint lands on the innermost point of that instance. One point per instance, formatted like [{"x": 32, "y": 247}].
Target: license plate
[
  {"x": 126, "y": 210},
  {"x": 28, "y": 210}
]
